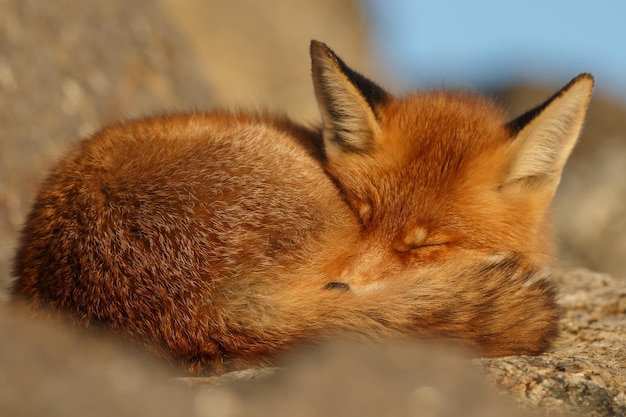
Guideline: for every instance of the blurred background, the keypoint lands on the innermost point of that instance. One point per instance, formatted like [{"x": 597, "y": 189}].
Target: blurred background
[{"x": 69, "y": 66}]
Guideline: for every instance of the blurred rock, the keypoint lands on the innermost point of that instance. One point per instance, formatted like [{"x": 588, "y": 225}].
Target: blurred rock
[
  {"x": 372, "y": 381},
  {"x": 67, "y": 67},
  {"x": 256, "y": 54},
  {"x": 590, "y": 205},
  {"x": 49, "y": 370}
]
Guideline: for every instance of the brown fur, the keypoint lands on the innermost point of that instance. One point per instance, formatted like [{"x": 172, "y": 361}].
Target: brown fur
[{"x": 220, "y": 240}]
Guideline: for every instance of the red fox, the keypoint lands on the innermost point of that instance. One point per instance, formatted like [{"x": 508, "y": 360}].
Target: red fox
[{"x": 221, "y": 240}]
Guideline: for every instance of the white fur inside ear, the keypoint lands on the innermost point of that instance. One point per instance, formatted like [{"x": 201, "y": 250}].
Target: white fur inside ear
[
  {"x": 544, "y": 144},
  {"x": 349, "y": 122}
]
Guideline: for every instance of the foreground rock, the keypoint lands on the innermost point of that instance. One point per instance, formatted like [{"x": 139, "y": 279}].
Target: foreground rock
[
  {"x": 586, "y": 371},
  {"x": 50, "y": 370}
]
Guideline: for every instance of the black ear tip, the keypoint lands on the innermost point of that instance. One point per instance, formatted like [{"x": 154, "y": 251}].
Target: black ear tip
[
  {"x": 589, "y": 78},
  {"x": 318, "y": 48},
  {"x": 316, "y": 45},
  {"x": 585, "y": 77}
]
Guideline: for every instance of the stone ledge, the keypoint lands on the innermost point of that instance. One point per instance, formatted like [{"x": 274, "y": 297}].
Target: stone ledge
[{"x": 585, "y": 371}]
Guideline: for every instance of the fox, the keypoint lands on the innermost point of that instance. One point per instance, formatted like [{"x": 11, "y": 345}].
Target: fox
[{"x": 220, "y": 240}]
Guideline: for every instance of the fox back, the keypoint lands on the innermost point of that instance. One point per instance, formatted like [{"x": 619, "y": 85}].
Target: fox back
[{"x": 221, "y": 240}]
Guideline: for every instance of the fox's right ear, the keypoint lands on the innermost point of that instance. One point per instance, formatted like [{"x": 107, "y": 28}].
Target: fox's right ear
[
  {"x": 543, "y": 138},
  {"x": 347, "y": 102}
]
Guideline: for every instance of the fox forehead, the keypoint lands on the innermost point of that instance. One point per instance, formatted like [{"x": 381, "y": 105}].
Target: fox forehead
[
  {"x": 435, "y": 149},
  {"x": 442, "y": 127},
  {"x": 432, "y": 143}
]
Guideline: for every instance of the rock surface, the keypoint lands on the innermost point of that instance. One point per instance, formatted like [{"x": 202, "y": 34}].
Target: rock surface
[
  {"x": 49, "y": 370},
  {"x": 586, "y": 370}
]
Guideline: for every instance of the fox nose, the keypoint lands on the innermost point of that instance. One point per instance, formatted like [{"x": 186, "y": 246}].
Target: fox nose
[
  {"x": 367, "y": 271},
  {"x": 337, "y": 285}
]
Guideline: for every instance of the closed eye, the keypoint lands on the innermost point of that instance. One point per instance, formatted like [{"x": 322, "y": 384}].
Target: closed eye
[
  {"x": 413, "y": 248},
  {"x": 427, "y": 245},
  {"x": 420, "y": 238}
]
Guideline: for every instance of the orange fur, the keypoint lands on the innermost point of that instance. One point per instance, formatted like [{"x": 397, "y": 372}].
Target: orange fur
[{"x": 221, "y": 240}]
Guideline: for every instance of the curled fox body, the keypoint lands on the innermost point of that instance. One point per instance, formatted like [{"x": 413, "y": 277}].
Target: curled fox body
[{"x": 220, "y": 240}]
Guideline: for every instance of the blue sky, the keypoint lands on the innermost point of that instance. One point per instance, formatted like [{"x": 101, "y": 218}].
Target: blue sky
[{"x": 475, "y": 43}]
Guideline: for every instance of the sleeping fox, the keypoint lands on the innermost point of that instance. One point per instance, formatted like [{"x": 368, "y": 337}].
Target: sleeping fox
[{"x": 221, "y": 240}]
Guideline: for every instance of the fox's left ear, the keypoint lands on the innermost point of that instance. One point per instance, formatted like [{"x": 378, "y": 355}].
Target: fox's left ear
[
  {"x": 347, "y": 102},
  {"x": 544, "y": 137}
]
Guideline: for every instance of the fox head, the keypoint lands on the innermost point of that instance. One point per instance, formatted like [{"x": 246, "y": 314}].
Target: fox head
[{"x": 433, "y": 173}]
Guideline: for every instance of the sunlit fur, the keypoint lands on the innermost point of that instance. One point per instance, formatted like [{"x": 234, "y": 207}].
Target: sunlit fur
[{"x": 221, "y": 240}]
